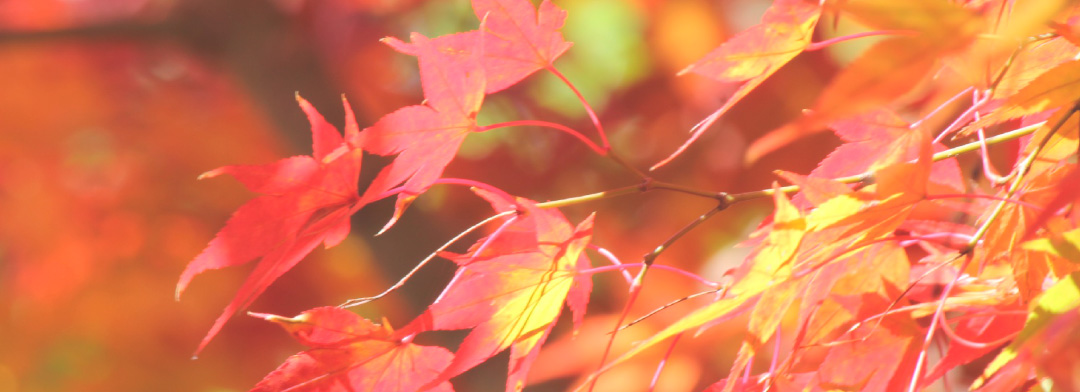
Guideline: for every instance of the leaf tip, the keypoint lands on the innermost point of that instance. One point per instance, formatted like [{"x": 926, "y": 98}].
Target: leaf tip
[
  {"x": 403, "y": 202},
  {"x": 684, "y": 71},
  {"x": 210, "y": 174},
  {"x": 400, "y": 46},
  {"x": 264, "y": 316}
]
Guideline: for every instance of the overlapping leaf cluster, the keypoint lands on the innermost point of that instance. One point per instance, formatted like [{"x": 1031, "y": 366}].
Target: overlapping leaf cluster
[{"x": 884, "y": 254}]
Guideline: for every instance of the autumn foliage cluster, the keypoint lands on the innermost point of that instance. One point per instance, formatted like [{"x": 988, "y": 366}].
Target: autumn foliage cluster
[{"x": 909, "y": 254}]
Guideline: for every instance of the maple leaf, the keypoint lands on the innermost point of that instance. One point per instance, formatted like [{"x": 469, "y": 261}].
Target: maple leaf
[
  {"x": 945, "y": 21},
  {"x": 1041, "y": 186},
  {"x": 753, "y": 55},
  {"x": 511, "y": 286},
  {"x": 306, "y": 200},
  {"x": 522, "y": 39},
  {"x": 1054, "y": 312},
  {"x": 885, "y": 71},
  {"x": 870, "y": 138},
  {"x": 1057, "y": 87},
  {"x": 1054, "y": 157},
  {"x": 770, "y": 263},
  {"x": 992, "y": 328},
  {"x": 1033, "y": 62},
  {"x": 798, "y": 247},
  {"x": 426, "y": 137},
  {"x": 350, "y": 353},
  {"x": 873, "y": 357},
  {"x": 1068, "y": 30},
  {"x": 850, "y": 290},
  {"x": 515, "y": 40}
]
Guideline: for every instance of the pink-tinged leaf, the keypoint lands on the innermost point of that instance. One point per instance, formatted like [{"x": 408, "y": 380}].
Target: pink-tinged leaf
[
  {"x": 515, "y": 39},
  {"x": 522, "y": 39},
  {"x": 350, "y": 353},
  {"x": 888, "y": 69},
  {"x": 874, "y": 357},
  {"x": 1047, "y": 336},
  {"x": 578, "y": 297},
  {"x": 324, "y": 137},
  {"x": 814, "y": 190},
  {"x": 884, "y": 72},
  {"x": 765, "y": 382},
  {"x": 988, "y": 329},
  {"x": 327, "y": 326},
  {"x": 1055, "y": 88},
  {"x": 1068, "y": 192},
  {"x": 853, "y": 288},
  {"x": 760, "y": 284},
  {"x": 753, "y": 55},
  {"x": 878, "y": 138},
  {"x": 512, "y": 292},
  {"x": 306, "y": 201},
  {"x": 1032, "y": 62},
  {"x": 426, "y": 137}
]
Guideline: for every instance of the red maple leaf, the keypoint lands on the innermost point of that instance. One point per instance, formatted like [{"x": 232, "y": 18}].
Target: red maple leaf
[
  {"x": 521, "y": 39},
  {"x": 426, "y": 137},
  {"x": 456, "y": 71},
  {"x": 306, "y": 200},
  {"x": 350, "y": 353},
  {"x": 510, "y": 288},
  {"x": 515, "y": 39}
]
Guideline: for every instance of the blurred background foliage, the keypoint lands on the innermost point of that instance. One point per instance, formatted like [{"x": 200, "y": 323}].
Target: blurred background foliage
[{"x": 111, "y": 108}]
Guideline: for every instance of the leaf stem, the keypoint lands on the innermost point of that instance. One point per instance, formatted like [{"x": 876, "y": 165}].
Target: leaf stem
[
  {"x": 956, "y": 338},
  {"x": 626, "y": 190},
  {"x": 618, "y": 159},
  {"x": 647, "y": 262},
  {"x": 660, "y": 367},
  {"x": 547, "y": 124},
  {"x": 687, "y": 190},
  {"x": 1021, "y": 171},
  {"x": 728, "y": 199},
  {"x": 962, "y": 119},
  {"x": 832, "y": 41},
  {"x": 478, "y": 185},
  {"x": 635, "y": 289},
  {"x": 944, "y": 196},
  {"x": 680, "y": 271},
  {"x": 585, "y": 104},
  {"x": 939, "y": 108},
  {"x": 650, "y": 257},
  {"x": 450, "y": 181},
  {"x": 668, "y": 305},
  {"x": 360, "y": 301},
  {"x": 614, "y": 260},
  {"x": 968, "y": 251},
  {"x": 974, "y": 146},
  {"x": 858, "y": 178},
  {"x": 920, "y": 363}
]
